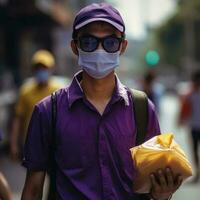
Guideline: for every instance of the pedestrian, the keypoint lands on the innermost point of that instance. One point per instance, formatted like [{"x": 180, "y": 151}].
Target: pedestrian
[
  {"x": 190, "y": 115},
  {"x": 31, "y": 92},
  {"x": 5, "y": 192},
  {"x": 95, "y": 125},
  {"x": 152, "y": 88}
]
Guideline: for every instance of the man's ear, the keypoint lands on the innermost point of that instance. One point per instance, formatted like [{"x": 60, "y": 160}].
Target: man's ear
[
  {"x": 124, "y": 46},
  {"x": 74, "y": 47}
]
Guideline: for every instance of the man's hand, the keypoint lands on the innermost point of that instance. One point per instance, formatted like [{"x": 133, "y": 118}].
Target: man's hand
[{"x": 164, "y": 184}]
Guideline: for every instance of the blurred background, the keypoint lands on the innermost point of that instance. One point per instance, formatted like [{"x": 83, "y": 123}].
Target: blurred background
[{"x": 164, "y": 48}]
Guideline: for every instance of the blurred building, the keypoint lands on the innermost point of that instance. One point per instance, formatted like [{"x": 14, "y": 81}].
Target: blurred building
[{"x": 26, "y": 26}]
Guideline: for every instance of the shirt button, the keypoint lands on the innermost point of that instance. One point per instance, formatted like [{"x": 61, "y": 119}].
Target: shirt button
[{"x": 104, "y": 162}]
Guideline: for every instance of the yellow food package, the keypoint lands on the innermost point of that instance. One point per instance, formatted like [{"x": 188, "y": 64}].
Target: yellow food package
[{"x": 158, "y": 153}]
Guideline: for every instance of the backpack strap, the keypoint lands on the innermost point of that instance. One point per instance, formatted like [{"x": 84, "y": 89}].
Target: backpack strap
[
  {"x": 140, "y": 110},
  {"x": 54, "y": 116},
  {"x": 52, "y": 171}
]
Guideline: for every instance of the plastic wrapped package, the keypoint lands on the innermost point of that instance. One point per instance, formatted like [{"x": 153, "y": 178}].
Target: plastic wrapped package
[{"x": 158, "y": 153}]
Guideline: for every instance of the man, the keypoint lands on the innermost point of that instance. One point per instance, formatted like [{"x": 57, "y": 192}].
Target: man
[
  {"x": 152, "y": 88},
  {"x": 190, "y": 113},
  {"x": 31, "y": 92},
  {"x": 95, "y": 122}
]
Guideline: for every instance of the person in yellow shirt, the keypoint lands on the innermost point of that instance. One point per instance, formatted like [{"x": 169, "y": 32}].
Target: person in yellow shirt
[{"x": 31, "y": 92}]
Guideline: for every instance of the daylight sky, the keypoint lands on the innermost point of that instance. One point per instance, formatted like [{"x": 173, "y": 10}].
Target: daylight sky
[{"x": 138, "y": 14}]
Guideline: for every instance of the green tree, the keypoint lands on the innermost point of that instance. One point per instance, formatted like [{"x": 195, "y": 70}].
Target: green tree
[{"x": 172, "y": 39}]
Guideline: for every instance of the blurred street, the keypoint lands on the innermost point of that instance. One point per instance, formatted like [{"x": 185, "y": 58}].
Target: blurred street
[{"x": 168, "y": 117}]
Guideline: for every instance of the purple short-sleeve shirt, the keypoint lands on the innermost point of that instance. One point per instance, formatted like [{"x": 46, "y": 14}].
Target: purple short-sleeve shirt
[{"x": 92, "y": 153}]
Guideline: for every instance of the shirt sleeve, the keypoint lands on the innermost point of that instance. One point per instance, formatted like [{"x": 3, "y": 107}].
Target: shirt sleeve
[
  {"x": 37, "y": 146},
  {"x": 153, "y": 123}
]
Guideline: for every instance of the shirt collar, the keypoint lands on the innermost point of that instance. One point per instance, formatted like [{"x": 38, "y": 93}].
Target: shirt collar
[{"x": 75, "y": 91}]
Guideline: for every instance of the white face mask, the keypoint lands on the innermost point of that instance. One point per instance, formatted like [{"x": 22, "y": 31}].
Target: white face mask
[{"x": 98, "y": 64}]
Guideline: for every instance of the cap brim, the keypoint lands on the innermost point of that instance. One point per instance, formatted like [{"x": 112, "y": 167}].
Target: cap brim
[{"x": 116, "y": 25}]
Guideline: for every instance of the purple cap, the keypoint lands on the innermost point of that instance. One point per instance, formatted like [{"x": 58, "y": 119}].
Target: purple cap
[{"x": 99, "y": 12}]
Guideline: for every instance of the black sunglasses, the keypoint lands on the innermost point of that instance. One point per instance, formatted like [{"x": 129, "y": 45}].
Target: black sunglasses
[{"x": 90, "y": 43}]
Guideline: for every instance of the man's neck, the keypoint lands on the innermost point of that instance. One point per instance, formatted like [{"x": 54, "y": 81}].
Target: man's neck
[{"x": 98, "y": 89}]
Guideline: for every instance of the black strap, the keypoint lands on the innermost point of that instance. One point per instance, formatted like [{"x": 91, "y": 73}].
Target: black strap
[
  {"x": 140, "y": 110},
  {"x": 52, "y": 172},
  {"x": 54, "y": 116}
]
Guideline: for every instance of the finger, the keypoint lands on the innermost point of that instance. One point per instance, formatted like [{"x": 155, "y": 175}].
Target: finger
[
  {"x": 179, "y": 181},
  {"x": 170, "y": 177},
  {"x": 162, "y": 179},
  {"x": 154, "y": 183}
]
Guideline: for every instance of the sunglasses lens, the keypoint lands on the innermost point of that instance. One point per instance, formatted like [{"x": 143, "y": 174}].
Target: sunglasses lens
[
  {"x": 88, "y": 43},
  {"x": 111, "y": 44}
]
